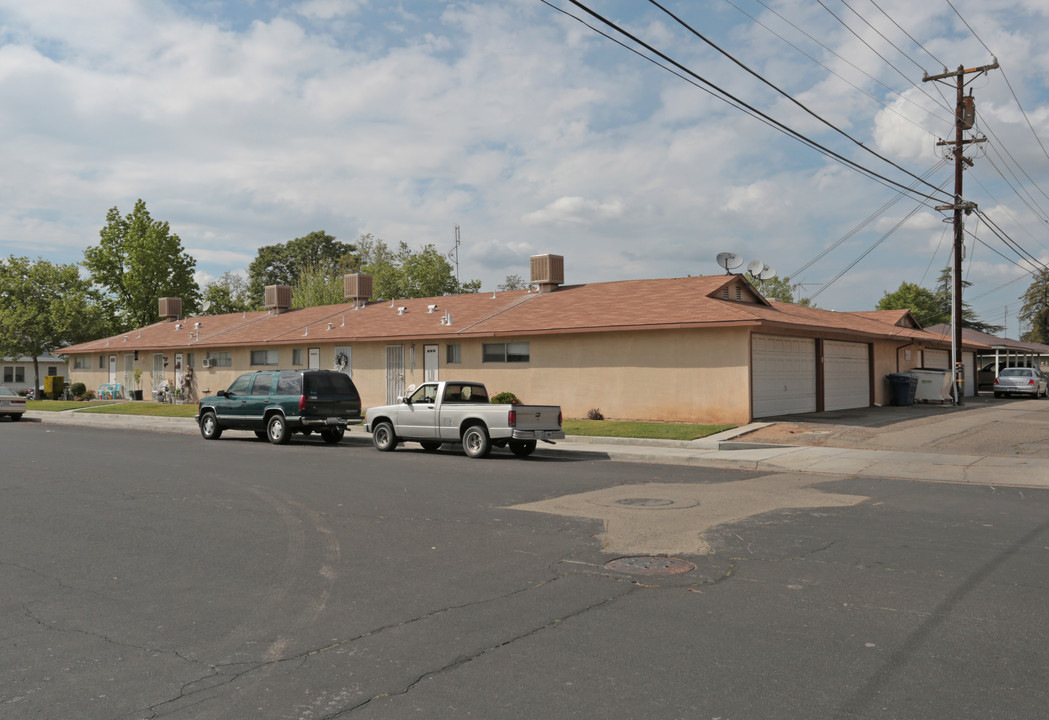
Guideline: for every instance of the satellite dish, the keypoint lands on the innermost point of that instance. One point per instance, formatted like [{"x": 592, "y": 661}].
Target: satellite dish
[
  {"x": 729, "y": 261},
  {"x": 755, "y": 267},
  {"x": 767, "y": 273},
  {"x": 205, "y": 307}
]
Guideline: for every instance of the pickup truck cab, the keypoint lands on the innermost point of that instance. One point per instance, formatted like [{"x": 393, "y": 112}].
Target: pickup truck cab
[
  {"x": 436, "y": 413},
  {"x": 277, "y": 403}
]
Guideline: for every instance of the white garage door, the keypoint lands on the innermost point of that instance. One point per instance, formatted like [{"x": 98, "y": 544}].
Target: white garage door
[
  {"x": 846, "y": 375},
  {"x": 784, "y": 372},
  {"x": 936, "y": 359}
]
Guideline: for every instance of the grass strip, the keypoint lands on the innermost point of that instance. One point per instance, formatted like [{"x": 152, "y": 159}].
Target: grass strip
[
  {"x": 145, "y": 408},
  {"x": 60, "y": 405},
  {"x": 647, "y": 430}
]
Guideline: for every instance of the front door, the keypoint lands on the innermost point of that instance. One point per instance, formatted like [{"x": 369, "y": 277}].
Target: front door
[
  {"x": 315, "y": 359},
  {"x": 112, "y": 369},
  {"x": 419, "y": 416},
  {"x": 394, "y": 373},
  {"x": 430, "y": 363},
  {"x": 129, "y": 374},
  {"x": 157, "y": 377}
]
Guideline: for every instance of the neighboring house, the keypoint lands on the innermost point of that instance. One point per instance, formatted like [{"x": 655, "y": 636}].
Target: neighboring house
[
  {"x": 17, "y": 372},
  {"x": 706, "y": 349},
  {"x": 1001, "y": 352}
]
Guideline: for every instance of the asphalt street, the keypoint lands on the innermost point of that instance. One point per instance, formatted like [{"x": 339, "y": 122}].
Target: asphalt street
[{"x": 153, "y": 574}]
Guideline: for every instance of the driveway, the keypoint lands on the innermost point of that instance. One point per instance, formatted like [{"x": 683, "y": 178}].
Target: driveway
[{"x": 983, "y": 426}]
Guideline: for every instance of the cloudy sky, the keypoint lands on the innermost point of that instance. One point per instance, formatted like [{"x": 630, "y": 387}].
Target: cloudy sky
[{"x": 251, "y": 123}]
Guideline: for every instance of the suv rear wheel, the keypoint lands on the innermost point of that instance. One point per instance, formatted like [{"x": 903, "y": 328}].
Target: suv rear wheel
[{"x": 277, "y": 430}]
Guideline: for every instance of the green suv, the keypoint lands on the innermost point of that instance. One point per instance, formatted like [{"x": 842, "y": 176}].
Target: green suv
[{"x": 277, "y": 403}]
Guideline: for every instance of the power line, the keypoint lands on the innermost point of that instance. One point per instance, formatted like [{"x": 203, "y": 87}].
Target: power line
[{"x": 938, "y": 61}]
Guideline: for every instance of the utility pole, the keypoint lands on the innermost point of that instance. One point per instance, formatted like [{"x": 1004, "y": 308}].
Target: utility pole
[{"x": 964, "y": 119}]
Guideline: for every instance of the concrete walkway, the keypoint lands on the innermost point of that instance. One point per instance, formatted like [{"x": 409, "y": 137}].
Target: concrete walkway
[{"x": 724, "y": 450}]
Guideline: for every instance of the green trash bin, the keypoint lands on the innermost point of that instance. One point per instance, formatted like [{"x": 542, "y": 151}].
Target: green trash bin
[{"x": 904, "y": 386}]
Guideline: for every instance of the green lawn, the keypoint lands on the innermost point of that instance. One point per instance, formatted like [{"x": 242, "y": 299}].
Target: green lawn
[
  {"x": 145, "y": 408},
  {"x": 648, "y": 430},
  {"x": 60, "y": 405}
]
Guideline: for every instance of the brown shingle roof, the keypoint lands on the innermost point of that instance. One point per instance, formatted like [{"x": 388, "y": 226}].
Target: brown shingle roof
[{"x": 611, "y": 306}]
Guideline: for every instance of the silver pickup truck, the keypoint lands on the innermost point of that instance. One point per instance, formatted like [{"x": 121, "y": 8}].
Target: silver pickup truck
[{"x": 436, "y": 413}]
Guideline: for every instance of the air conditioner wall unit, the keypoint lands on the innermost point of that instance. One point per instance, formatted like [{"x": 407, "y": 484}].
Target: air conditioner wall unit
[{"x": 209, "y": 362}]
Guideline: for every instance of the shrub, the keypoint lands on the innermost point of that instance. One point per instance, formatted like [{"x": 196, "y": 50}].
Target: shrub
[
  {"x": 88, "y": 395},
  {"x": 53, "y": 386},
  {"x": 595, "y": 414},
  {"x": 505, "y": 398},
  {"x": 78, "y": 389}
]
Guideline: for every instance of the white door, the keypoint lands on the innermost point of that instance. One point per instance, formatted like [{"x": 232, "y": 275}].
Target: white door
[
  {"x": 315, "y": 359},
  {"x": 430, "y": 363},
  {"x": 129, "y": 374},
  {"x": 158, "y": 371},
  {"x": 846, "y": 375},
  {"x": 936, "y": 359},
  {"x": 394, "y": 373},
  {"x": 112, "y": 368},
  {"x": 784, "y": 375}
]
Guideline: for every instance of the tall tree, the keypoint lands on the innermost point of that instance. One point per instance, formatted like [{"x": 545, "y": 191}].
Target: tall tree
[
  {"x": 1035, "y": 311},
  {"x": 406, "y": 273},
  {"x": 228, "y": 294},
  {"x": 513, "y": 282},
  {"x": 282, "y": 264},
  {"x": 922, "y": 302},
  {"x": 317, "y": 286},
  {"x": 944, "y": 295},
  {"x": 138, "y": 261},
  {"x": 44, "y": 307}
]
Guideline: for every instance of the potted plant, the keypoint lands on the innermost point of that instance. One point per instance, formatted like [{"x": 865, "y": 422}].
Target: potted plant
[{"x": 137, "y": 393}]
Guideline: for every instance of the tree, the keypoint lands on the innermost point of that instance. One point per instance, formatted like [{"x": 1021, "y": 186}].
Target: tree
[
  {"x": 513, "y": 282},
  {"x": 282, "y": 264},
  {"x": 228, "y": 294},
  {"x": 407, "y": 273},
  {"x": 138, "y": 261},
  {"x": 945, "y": 295},
  {"x": 779, "y": 288},
  {"x": 44, "y": 307},
  {"x": 317, "y": 286},
  {"x": 1035, "y": 310},
  {"x": 923, "y": 304}
]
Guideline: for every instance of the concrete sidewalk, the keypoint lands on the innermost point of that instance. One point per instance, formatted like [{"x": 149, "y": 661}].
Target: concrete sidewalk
[{"x": 721, "y": 451}]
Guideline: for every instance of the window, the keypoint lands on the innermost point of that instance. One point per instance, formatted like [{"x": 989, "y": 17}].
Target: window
[
  {"x": 14, "y": 374},
  {"x": 506, "y": 352},
  {"x": 189, "y": 359},
  {"x": 52, "y": 370},
  {"x": 296, "y": 356},
  {"x": 101, "y": 362},
  {"x": 241, "y": 385},
  {"x": 453, "y": 354},
  {"x": 80, "y": 363},
  {"x": 263, "y": 384},
  {"x": 264, "y": 357},
  {"x": 220, "y": 358}
]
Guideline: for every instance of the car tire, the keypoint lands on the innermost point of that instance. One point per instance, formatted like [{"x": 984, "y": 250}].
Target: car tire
[
  {"x": 209, "y": 426},
  {"x": 277, "y": 430},
  {"x": 384, "y": 438},
  {"x": 522, "y": 448},
  {"x": 332, "y": 435},
  {"x": 430, "y": 445},
  {"x": 476, "y": 442}
]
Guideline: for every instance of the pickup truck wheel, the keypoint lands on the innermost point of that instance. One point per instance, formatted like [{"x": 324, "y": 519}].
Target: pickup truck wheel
[
  {"x": 209, "y": 427},
  {"x": 332, "y": 435},
  {"x": 522, "y": 448},
  {"x": 476, "y": 442},
  {"x": 384, "y": 438},
  {"x": 430, "y": 445},
  {"x": 277, "y": 430}
]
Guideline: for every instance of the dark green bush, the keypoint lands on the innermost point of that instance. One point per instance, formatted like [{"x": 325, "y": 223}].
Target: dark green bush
[
  {"x": 78, "y": 389},
  {"x": 505, "y": 398}
]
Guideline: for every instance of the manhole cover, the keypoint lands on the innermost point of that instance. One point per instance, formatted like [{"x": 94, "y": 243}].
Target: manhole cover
[
  {"x": 645, "y": 502},
  {"x": 650, "y": 565}
]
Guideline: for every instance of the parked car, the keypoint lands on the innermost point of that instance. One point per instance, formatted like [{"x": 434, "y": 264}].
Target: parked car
[
  {"x": 460, "y": 413},
  {"x": 1020, "y": 381},
  {"x": 277, "y": 403},
  {"x": 987, "y": 374},
  {"x": 11, "y": 404}
]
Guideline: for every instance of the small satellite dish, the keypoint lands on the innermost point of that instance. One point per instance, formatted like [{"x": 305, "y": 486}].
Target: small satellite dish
[
  {"x": 767, "y": 273},
  {"x": 729, "y": 261},
  {"x": 205, "y": 307},
  {"x": 755, "y": 267}
]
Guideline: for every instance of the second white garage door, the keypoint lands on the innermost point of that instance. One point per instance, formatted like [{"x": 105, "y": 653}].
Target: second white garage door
[
  {"x": 846, "y": 375},
  {"x": 784, "y": 372}
]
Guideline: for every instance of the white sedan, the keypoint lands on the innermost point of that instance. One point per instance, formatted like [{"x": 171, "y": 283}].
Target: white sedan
[
  {"x": 11, "y": 404},
  {"x": 1020, "y": 381}
]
